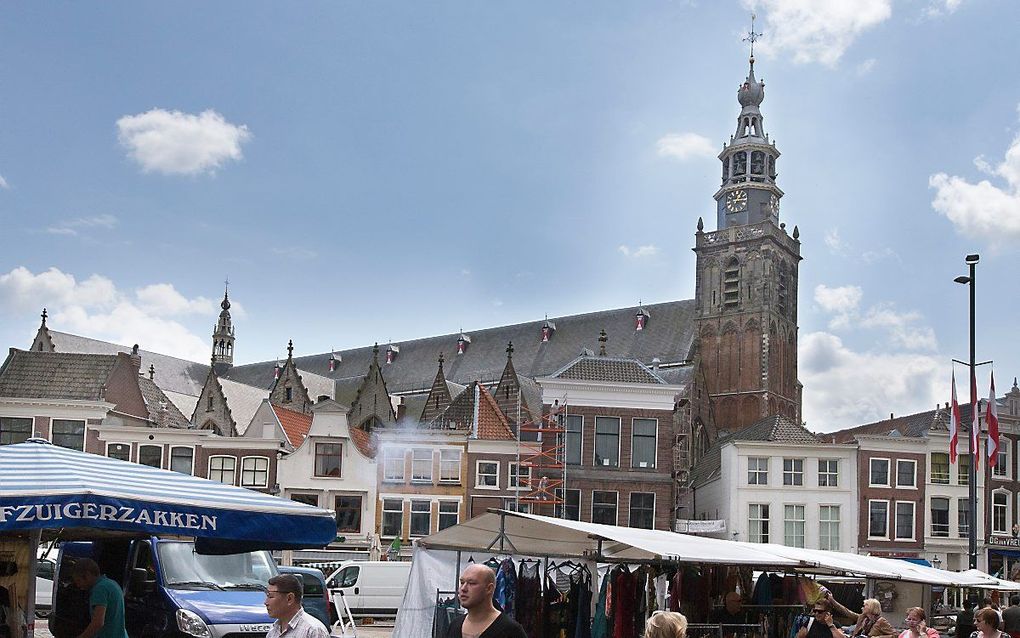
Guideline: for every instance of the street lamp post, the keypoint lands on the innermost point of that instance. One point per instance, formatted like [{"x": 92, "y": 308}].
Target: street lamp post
[{"x": 972, "y": 261}]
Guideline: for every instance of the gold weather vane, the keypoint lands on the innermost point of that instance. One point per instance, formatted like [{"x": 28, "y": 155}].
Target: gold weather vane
[{"x": 752, "y": 37}]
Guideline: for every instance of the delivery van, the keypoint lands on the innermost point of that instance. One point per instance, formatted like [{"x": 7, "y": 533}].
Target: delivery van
[
  {"x": 371, "y": 588},
  {"x": 170, "y": 591}
]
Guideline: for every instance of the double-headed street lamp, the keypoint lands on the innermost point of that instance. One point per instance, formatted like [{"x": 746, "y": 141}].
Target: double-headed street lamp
[{"x": 972, "y": 261}]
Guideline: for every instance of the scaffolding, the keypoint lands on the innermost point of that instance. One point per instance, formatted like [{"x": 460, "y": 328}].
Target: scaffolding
[{"x": 541, "y": 446}]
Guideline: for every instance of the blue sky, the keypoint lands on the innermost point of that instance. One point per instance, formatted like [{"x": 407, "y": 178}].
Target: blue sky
[{"x": 384, "y": 171}]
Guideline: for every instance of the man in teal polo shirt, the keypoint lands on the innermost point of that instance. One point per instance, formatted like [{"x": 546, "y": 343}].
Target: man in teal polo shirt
[{"x": 106, "y": 600}]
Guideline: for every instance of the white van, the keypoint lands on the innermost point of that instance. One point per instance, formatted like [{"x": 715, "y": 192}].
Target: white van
[{"x": 371, "y": 588}]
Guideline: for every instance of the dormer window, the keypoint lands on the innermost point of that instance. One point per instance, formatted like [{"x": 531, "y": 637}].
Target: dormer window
[
  {"x": 641, "y": 319},
  {"x": 391, "y": 353},
  {"x": 548, "y": 328},
  {"x": 334, "y": 361},
  {"x": 288, "y": 394},
  {"x": 462, "y": 343}
]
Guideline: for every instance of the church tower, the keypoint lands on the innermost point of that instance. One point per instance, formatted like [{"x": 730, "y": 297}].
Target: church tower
[
  {"x": 223, "y": 338},
  {"x": 746, "y": 281}
]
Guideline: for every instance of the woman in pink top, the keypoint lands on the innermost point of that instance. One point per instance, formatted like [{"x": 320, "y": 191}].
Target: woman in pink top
[{"x": 916, "y": 625}]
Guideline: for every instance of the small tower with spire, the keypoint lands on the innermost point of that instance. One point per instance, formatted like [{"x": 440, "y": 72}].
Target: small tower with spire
[{"x": 223, "y": 336}]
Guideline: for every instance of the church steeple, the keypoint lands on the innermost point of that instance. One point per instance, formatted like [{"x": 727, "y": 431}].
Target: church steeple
[
  {"x": 223, "y": 336},
  {"x": 748, "y": 194}
]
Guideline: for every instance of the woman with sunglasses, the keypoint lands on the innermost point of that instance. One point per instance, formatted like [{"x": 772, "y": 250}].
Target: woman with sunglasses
[
  {"x": 821, "y": 624},
  {"x": 869, "y": 623},
  {"x": 987, "y": 621},
  {"x": 917, "y": 625}
]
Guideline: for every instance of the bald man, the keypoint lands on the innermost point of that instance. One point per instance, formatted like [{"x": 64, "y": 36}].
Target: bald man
[{"x": 483, "y": 620}]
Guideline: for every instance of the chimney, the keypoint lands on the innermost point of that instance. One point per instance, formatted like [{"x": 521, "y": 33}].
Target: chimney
[
  {"x": 655, "y": 364},
  {"x": 136, "y": 359},
  {"x": 401, "y": 409}
]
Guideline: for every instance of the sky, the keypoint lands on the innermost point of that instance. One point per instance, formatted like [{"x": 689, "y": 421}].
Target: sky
[{"x": 381, "y": 171}]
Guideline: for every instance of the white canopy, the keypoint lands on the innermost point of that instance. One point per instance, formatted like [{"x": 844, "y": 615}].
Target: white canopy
[{"x": 991, "y": 582}]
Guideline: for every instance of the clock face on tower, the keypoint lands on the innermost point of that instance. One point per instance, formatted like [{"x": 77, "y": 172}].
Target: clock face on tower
[
  {"x": 736, "y": 201},
  {"x": 774, "y": 204}
]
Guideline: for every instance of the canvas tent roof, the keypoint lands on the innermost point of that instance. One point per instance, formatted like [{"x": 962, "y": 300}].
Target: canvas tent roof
[{"x": 992, "y": 582}]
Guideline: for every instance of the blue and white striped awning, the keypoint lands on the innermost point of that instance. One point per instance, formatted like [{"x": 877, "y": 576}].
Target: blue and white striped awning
[{"x": 43, "y": 486}]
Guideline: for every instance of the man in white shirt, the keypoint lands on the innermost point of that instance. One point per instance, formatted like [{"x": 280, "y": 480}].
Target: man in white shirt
[{"x": 283, "y": 602}]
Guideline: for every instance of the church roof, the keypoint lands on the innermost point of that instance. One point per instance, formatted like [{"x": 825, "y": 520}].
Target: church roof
[
  {"x": 243, "y": 401},
  {"x": 667, "y": 335}
]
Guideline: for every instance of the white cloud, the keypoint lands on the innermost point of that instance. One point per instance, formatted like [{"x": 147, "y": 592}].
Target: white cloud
[
  {"x": 835, "y": 243},
  {"x": 176, "y": 143},
  {"x": 3, "y": 183},
  {"x": 983, "y": 210},
  {"x": 94, "y": 307},
  {"x": 939, "y": 8},
  {"x": 841, "y": 300},
  {"x": 74, "y": 226},
  {"x": 904, "y": 330},
  {"x": 639, "y": 252},
  {"x": 817, "y": 30},
  {"x": 853, "y": 388},
  {"x": 685, "y": 146},
  {"x": 866, "y": 67}
]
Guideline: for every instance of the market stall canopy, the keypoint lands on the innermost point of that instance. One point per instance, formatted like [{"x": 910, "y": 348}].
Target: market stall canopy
[
  {"x": 991, "y": 582},
  {"x": 534, "y": 535},
  {"x": 47, "y": 487}
]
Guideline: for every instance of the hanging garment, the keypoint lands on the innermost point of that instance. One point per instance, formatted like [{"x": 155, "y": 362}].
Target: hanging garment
[
  {"x": 506, "y": 587},
  {"x": 582, "y": 624},
  {"x": 675, "y": 589},
  {"x": 600, "y": 622},
  {"x": 528, "y": 602},
  {"x": 661, "y": 591},
  {"x": 624, "y": 604},
  {"x": 555, "y": 609}
]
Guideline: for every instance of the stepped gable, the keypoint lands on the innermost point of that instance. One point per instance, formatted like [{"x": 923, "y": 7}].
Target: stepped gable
[
  {"x": 295, "y": 424},
  {"x": 173, "y": 375},
  {"x": 668, "y": 335},
  {"x": 910, "y": 425}
]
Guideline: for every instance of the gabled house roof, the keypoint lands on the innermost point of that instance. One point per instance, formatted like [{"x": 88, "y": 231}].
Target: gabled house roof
[
  {"x": 492, "y": 423},
  {"x": 773, "y": 429},
  {"x": 366, "y": 442},
  {"x": 55, "y": 375},
  {"x": 608, "y": 370},
  {"x": 162, "y": 411},
  {"x": 295, "y": 424},
  {"x": 910, "y": 425},
  {"x": 242, "y": 401}
]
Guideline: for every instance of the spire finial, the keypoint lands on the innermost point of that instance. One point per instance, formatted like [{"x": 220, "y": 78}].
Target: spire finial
[
  {"x": 701, "y": 225},
  {"x": 510, "y": 350},
  {"x": 603, "y": 339},
  {"x": 44, "y": 315},
  {"x": 441, "y": 359},
  {"x": 225, "y": 304},
  {"x": 375, "y": 350},
  {"x": 290, "y": 348},
  {"x": 752, "y": 37},
  {"x": 152, "y": 372}
]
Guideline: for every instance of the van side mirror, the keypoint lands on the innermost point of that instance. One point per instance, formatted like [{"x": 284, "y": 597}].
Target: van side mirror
[
  {"x": 331, "y": 583},
  {"x": 140, "y": 583}
]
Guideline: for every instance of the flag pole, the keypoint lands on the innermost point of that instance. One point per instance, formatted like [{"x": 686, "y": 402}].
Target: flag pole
[{"x": 972, "y": 530}]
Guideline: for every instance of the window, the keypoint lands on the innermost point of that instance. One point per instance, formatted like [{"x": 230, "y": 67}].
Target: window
[
  {"x": 793, "y": 471},
  {"x": 963, "y": 517},
  {"x": 607, "y": 441},
  {"x": 828, "y": 472},
  {"x": 828, "y": 527},
  {"x": 642, "y": 510},
  {"x": 307, "y": 499},
  {"x": 757, "y": 162},
  {"x": 68, "y": 433},
  {"x": 288, "y": 394},
  {"x": 120, "y": 451},
  {"x": 222, "y": 469},
  {"x": 940, "y": 468},
  {"x": 940, "y": 517},
  {"x": 328, "y": 459},
  {"x": 878, "y": 519},
  {"x": 209, "y": 403},
  {"x": 182, "y": 459},
  {"x": 421, "y": 518},
  {"x": 571, "y": 507},
  {"x": 906, "y": 473},
  {"x": 448, "y": 514},
  {"x": 512, "y": 505},
  {"x": 14, "y": 429},
  {"x": 757, "y": 470},
  {"x": 963, "y": 469},
  {"x": 392, "y": 517},
  {"x": 519, "y": 477},
  {"x": 643, "y": 442},
  {"x": 879, "y": 475},
  {"x": 487, "y": 475},
  {"x": 739, "y": 163},
  {"x": 758, "y": 522},
  {"x": 393, "y": 464},
  {"x": 348, "y": 514},
  {"x": 151, "y": 455},
  {"x": 1001, "y": 467},
  {"x": 254, "y": 471},
  {"x": 603, "y": 507},
  {"x": 421, "y": 465},
  {"x": 1000, "y": 512},
  {"x": 793, "y": 525},
  {"x": 574, "y": 438},
  {"x": 904, "y": 520},
  {"x": 449, "y": 466}
]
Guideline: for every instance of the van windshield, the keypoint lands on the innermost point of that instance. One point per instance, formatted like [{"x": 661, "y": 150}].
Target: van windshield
[{"x": 186, "y": 569}]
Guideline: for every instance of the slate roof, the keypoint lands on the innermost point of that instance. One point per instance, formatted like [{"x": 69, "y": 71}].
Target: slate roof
[
  {"x": 295, "y": 424},
  {"x": 55, "y": 375},
  {"x": 174, "y": 375},
  {"x": 772, "y": 429},
  {"x": 607, "y": 369},
  {"x": 162, "y": 410},
  {"x": 243, "y": 401},
  {"x": 668, "y": 335},
  {"x": 910, "y": 425}
]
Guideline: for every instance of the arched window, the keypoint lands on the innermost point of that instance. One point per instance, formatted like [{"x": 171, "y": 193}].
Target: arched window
[
  {"x": 757, "y": 163},
  {"x": 739, "y": 163}
]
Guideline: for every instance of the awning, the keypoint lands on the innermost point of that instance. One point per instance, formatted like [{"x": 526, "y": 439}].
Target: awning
[
  {"x": 991, "y": 582},
  {"x": 47, "y": 487}
]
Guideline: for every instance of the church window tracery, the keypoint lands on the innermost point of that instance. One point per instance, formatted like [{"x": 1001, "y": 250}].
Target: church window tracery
[{"x": 739, "y": 163}]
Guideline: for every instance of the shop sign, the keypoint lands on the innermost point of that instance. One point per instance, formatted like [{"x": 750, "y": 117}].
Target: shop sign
[
  {"x": 689, "y": 526},
  {"x": 1004, "y": 541}
]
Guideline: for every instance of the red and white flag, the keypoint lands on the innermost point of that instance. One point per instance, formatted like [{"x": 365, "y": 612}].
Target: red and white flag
[
  {"x": 975, "y": 425},
  {"x": 992, "y": 421},
  {"x": 954, "y": 424}
]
